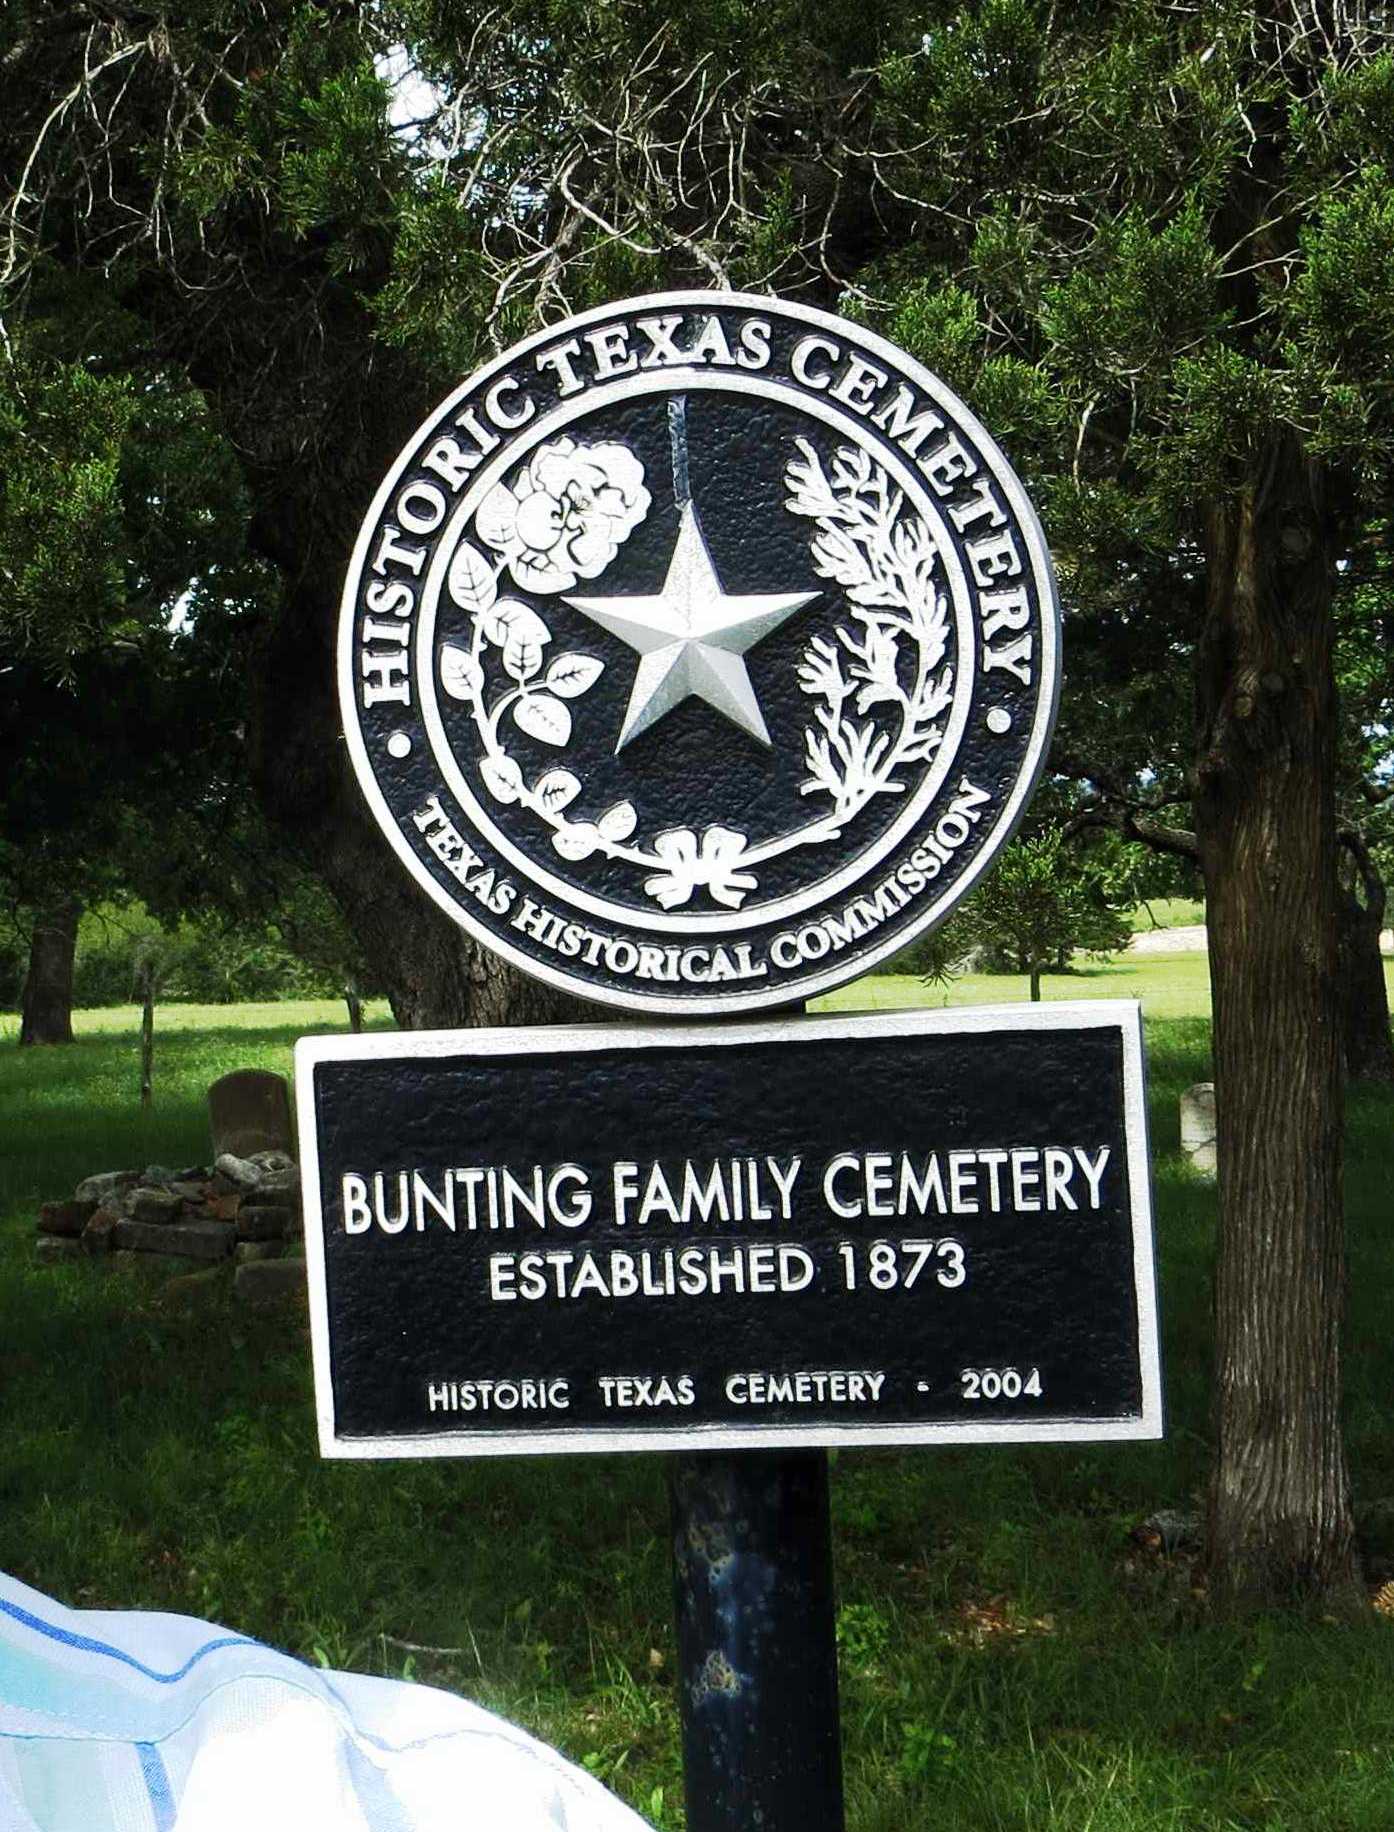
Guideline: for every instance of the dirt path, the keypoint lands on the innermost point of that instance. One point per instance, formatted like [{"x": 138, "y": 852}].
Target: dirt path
[{"x": 1190, "y": 939}]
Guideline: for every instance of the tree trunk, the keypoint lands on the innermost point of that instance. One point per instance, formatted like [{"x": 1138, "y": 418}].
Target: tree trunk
[
  {"x": 147, "y": 1039},
  {"x": 1035, "y": 985},
  {"x": 434, "y": 974},
  {"x": 1279, "y": 1523},
  {"x": 355, "y": 1007},
  {"x": 1365, "y": 1040},
  {"x": 46, "y": 1007}
]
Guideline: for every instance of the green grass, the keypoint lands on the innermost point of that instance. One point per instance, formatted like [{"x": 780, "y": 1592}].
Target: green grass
[
  {"x": 160, "y": 1454},
  {"x": 1167, "y": 913},
  {"x": 1169, "y": 986}
]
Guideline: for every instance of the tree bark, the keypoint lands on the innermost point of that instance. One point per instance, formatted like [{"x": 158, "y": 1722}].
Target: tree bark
[
  {"x": 1365, "y": 1039},
  {"x": 1279, "y": 1522},
  {"x": 434, "y": 974},
  {"x": 1035, "y": 985},
  {"x": 46, "y": 1005}
]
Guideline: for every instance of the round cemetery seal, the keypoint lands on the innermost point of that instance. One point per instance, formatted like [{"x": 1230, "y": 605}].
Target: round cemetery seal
[{"x": 699, "y": 652}]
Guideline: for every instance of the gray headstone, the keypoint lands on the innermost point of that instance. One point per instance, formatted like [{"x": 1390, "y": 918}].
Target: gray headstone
[
  {"x": 249, "y": 1111},
  {"x": 1198, "y": 1127}
]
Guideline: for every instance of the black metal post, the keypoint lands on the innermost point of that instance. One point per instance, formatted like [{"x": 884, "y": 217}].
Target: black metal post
[{"x": 757, "y": 1655}]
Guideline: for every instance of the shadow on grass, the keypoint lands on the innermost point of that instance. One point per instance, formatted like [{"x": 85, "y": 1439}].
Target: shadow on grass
[{"x": 1010, "y": 1661}]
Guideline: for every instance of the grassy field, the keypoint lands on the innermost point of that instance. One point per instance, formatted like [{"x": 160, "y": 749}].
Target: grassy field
[
  {"x": 1011, "y": 1661},
  {"x": 1167, "y": 913},
  {"x": 1169, "y": 986}
]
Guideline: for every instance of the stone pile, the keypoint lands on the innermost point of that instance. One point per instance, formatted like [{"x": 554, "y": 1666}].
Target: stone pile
[{"x": 245, "y": 1208}]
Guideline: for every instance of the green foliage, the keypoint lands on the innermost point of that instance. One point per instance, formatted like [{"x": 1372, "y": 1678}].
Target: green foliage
[
  {"x": 201, "y": 960},
  {"x": 970, "y": 86},
  {"x": 1226, "y": 409},
  {"x": 1141, "y": 293},
  {"x": 309, "y": 137},
  {"x": 1009, "y": 1657},
  {"x": 937, "y": 957},
  {"x": 61, "y": 435},
  {"x": 939, "y": 324},
  {"x": 115, "y": 489},
  {"x": 212, "y": 956},
  {"x": 435, "y": 298},
  {"x": 1043, "y": 902}
]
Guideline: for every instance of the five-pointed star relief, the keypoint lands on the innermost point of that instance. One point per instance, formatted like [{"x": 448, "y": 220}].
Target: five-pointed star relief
[{"x": 691, "y": 637}]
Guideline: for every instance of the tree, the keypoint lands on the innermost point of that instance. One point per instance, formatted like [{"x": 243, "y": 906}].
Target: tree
[
  {"x": 1178, "y": 226},
  {"x": 46, "y": 1005},
  {"x": 1152, "y": 245},
  {"x": 1041, "y": 906},
  {"x": 113, "y": 498}
]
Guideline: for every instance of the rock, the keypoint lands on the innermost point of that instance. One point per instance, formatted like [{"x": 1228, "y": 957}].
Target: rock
[
  {"x": 1198, "y": 1128},
  {"x": 263, "y": 1221},
  {"x": 1169, "y": 1531},
  {"x": 280, "y": 1175},
  {"x": 192, "y": 1191},
  {"x": 99, "y": 1236},
  {"x": 153, "y": 1205},
  {"x": 203, "y": 1240},
  {"x": 65, "y": 1218},
  {"x": 248, "y": 1252},
  {"x": 158, "y": 1173},
  {"x": 269, "y": 1175},
  {"x": 249, "y": 1112},
  {"x": 264, "y": 1283},
  {"x": 106, "y": 1183},
  {"x": 55, "y": 1247},
  {"x": 240, "y": 1173},
  {"x": 222, "y": 1205}
]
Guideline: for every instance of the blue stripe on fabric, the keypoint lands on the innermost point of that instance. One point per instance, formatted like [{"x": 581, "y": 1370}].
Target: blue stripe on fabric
[
  {"x": 157, "y": 1786},
  {"x": 381, "y": 1805},
  {"x": 85, "y": 1644}
]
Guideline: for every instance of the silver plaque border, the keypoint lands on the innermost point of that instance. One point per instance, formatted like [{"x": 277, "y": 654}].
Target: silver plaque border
[
  {"x": 791, "y": 986},
  {"x": 1124, "y": 1015}
]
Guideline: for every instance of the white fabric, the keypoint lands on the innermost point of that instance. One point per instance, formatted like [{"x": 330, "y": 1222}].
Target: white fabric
[{"x": 121, "y": 1721}]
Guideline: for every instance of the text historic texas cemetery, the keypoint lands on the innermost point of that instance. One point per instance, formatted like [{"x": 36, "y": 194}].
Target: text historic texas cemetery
[{"x": 595, "y": 1238}]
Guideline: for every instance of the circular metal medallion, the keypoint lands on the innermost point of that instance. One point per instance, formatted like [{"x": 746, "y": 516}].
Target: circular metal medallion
[{"x": 699, "y": 652}]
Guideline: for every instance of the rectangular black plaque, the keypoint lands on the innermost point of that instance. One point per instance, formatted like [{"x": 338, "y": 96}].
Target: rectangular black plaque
[{"x": 906, "y": 1228}]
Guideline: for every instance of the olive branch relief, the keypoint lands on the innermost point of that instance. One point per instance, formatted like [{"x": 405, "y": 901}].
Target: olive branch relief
[{"x": 885, "y": 559}]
